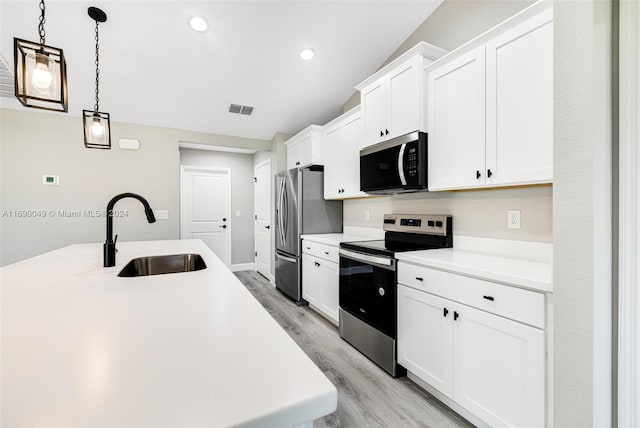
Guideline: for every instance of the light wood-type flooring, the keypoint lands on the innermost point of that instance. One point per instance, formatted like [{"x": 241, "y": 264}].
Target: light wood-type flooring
[{"x": 367, "y": 395}]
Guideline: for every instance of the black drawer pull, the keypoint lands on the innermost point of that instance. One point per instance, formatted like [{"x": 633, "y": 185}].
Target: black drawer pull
[
  {"x": 445, "y": 311},
  {"x": 419, "y": 278},
  {"x": 308, "y": 248},
  {"x": 455, "y": 315},
  {"x": 488, "y": 298},
  {"x": 478, "y": 175},
  {"x": 326, "y": 252}
]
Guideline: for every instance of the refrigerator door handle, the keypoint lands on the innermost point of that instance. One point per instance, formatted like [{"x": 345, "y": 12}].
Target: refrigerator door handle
[
  {"x": 280, "y": 216},
  {"x": 287, "y": 259},
  {"x": 285, "y": 216}
]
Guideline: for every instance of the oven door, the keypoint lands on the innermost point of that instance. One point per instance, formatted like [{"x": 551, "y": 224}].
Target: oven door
[{"x": 368, "y": 289}]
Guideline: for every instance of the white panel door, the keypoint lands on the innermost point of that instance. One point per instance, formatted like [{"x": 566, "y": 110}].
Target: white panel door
[
  {"x": 520, "y": 103},
  {"x": 499, "y": 369},
  {"x": 262, "y": 197},
  {"x": 206, "y": 208},
  {"x": 456, "y": 122},
  {"x": 403, "y": 92},
  {"x": 373, "y": 111},
  {"x": 425, "y": 337},
  {"x": 329, "y": 279}
]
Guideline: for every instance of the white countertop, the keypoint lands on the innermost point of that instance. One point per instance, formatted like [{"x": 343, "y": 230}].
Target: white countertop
[
  {"x": 83, "y": 347},
  {"x": 334, "y": 239},
  {"x": 535, "y": 275}
]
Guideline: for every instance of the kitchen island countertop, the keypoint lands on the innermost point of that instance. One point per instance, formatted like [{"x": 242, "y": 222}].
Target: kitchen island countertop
[{"x": 84, "y": 347}]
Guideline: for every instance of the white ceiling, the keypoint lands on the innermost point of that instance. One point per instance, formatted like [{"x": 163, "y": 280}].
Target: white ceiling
[{"x": 155, "y": 70}]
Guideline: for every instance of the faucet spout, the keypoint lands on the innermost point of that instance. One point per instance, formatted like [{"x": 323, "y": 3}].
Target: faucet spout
[{"x": 109, "y": 247}]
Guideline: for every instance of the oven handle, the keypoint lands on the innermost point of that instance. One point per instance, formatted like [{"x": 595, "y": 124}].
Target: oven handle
[{"x": 383, "y": 262}]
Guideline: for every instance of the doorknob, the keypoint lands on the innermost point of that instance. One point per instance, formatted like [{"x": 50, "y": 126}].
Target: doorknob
[
  {"x": 267, "y": 227},
  {"x": 224, "y": 226},
  {"x": 224, "y": 219}
]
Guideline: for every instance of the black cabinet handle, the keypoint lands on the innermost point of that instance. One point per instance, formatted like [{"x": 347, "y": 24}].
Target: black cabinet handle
[
  {"x": 308, "y": 248},
  {"x": 478, "y": 175},
  {"x": 326, "y": 252},
  {"x": 489, "y": 173},
  {"x": 317, "y": 264},
  {"x": 488, "y": 298},
  {"x": 455, "y": 315},
  {"x": 381, "y": 134},
  {"x": 386, "y": 131},
  {"x": 445, "y": 311},
  {"x": 267, "y": 227},
  {"x": 419, "y": 278},
  {"x": 224, "y": 226},
  {"x": 224, "y": 219},
  {"x": 297, "y": 163}
]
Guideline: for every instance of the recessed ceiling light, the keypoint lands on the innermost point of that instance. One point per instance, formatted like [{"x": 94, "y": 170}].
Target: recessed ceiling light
[
  {"x": 198, "y": 24},
  {"x": 307, "y": 54}
]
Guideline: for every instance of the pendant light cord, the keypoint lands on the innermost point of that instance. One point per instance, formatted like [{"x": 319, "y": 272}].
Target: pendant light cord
[
  {"x": 97, "y": 70},
  {"x": 41, "y": 24}
]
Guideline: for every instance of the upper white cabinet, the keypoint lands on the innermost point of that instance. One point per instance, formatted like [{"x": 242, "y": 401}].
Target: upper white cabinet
[
  {"x": 393, "y": 99},
  {"x": 490, "y": 108},
  {"x": 343, "y": 138},
  {"x": 305, "y": 148}
]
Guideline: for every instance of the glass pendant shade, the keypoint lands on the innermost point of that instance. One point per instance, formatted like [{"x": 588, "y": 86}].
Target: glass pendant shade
[
  {"x": 40, "y": 76},
  {"x": 97, "y": 130}
]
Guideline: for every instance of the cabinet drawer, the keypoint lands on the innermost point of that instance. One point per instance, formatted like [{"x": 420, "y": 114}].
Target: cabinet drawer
[
  {"x": 322, "y": 251},
  {"x": 425, "y": 279},
  {"x": 515, "y": 303}
]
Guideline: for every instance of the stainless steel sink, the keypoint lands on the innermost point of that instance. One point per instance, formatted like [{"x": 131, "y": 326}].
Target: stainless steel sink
[{"x": 158, "y": 265}]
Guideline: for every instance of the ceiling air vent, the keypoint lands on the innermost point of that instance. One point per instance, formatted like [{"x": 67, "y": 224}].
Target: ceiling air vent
[
  {"x": 240, "y": 109},
  {"x": 6, "y": 78}
]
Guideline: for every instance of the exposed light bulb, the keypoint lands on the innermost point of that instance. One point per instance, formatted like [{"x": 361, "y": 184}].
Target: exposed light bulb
[
  {"x": 42, "y": 77},
  {"x": 97, "y": 130},
  {"x": 198, "y": 24},
  {"x": 307, "y": 54}
]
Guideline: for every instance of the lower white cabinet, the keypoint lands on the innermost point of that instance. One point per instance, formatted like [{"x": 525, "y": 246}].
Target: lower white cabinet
[
  {"x": 320, "y": 278},
  {"x": 491, "y": 366}
]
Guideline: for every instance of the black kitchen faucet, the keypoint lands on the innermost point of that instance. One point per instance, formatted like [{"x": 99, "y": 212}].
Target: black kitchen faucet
[{"x": 109, "y": 247}]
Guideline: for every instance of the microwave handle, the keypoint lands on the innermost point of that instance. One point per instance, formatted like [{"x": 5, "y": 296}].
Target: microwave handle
[{"x": 403, "y": 179}]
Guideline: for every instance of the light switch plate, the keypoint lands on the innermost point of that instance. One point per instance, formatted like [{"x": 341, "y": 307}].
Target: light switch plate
[{"x": 513, "y": 219}]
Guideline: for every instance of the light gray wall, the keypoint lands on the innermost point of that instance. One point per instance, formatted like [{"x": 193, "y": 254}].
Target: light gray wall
[
  {"x": 582, "y": 214},
  {"x": 34, "y": 143},
  {"x": 452, "y": 24},
  {"x": 476, "y": 213},
  {"x": 279, "y": 150},
  {"x": 241, "y": 165}
]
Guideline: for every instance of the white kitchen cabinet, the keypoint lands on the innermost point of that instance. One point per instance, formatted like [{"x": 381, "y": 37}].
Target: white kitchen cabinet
[
  {"x": 456, "y": 94},
  {"x": 498, "y": 367},
  {"x": 342, "y": 142},
  {"x": 393, "y": 99},
  {"x": 425, "y": 339},
  {"x": 490, "y": 109},
  {"x": 320, "y": 277},
  {"x": 305, "y": 148},
  {"x": 491, "y": 366}
]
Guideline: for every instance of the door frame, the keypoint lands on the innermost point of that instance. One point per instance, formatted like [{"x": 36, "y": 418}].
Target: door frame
[
  {"x": 628, "y": 375},
  {"x": 212, "y": 169},
  {"x": 255, "y": 223}
]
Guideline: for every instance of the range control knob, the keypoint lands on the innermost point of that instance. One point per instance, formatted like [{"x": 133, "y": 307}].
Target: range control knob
[{"x": 381, "y": 291}]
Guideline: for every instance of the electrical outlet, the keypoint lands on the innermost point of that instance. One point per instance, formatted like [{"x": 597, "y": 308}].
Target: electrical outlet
[
  {"x": 513, "y": 219},
  {"x": 161, "y": 214},
  {"x": 367, "y": 215}
]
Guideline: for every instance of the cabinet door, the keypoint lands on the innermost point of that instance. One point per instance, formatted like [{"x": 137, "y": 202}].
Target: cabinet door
[
  {"x": 373, "y": 111},
  {"x": 310, "y": 279},
  {"x": 293, "y": 155},
  {"x": 425, "y": 337},
  {"x": 520, "y": 103},
  {"x": 404, "y": 96},
  {"x": 329, "y": 289},
  {"x": 334, "y": 161},
  {"x": 499, "y": 369},
  {"x": 306, "y": 152},
  {"x": 353, "y": 142},
  {"x": 456, "y": 122}
]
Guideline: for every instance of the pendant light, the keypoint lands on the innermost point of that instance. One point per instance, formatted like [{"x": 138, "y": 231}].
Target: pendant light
[
  {"x": 40, "y": 72},
  {"x": 97, "y": 130}
]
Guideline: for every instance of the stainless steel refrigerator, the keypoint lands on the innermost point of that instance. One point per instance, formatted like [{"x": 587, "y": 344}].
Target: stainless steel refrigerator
[{"x": 300, "y": 209}]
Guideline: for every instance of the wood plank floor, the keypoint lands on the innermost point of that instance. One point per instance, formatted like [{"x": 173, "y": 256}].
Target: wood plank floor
[{"x": 367, "y": 396}]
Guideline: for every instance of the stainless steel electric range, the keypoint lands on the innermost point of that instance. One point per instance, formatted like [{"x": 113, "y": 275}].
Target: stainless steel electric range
[{"x": 368, "y": 283}]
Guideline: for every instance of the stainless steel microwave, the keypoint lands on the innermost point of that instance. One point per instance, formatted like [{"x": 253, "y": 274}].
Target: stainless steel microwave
[{"x": 395, "y": 166}]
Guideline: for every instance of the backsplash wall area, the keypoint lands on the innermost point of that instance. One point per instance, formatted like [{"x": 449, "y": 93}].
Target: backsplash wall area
[{"x": 480, "y": 213}]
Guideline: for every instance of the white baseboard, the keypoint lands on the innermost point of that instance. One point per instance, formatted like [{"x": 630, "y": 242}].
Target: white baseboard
[
  {"x": 243, "y": 266},
  {"x": 272, "y": 280}
]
